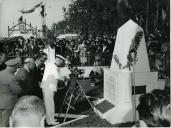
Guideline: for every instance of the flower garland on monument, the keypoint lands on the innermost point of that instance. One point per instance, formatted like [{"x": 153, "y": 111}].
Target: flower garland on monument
[{"x": 132, "y": 54}]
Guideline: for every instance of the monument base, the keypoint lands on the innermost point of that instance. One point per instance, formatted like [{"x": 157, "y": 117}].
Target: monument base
[
  {"x": 117, "y": 114},
  {"x": 120, "y": 92}
]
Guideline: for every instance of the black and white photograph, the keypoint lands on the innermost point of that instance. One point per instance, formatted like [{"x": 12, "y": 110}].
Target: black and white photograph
[{"x": 85, "y": 63}]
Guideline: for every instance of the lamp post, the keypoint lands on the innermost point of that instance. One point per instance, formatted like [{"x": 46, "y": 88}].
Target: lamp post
[{"x": 133, "y": 54}]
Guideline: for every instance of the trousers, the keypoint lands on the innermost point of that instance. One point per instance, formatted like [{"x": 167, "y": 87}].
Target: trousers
[
  {"x": 4, "y": 117},
  {"x": 48, "y": 97}
]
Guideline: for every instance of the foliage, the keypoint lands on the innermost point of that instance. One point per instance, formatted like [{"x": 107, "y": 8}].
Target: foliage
[
  {"x": 90, "y": 15},
  {"x": 105, "y": 16}
]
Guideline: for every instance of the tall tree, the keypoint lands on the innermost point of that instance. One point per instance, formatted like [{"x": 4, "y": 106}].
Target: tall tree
[{"x": 105, "y": 16}]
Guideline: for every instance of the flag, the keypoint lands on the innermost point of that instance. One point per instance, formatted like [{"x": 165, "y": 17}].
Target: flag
[
  {"x": 42, "y": 11},
  {"x": 32, "y": 9}
]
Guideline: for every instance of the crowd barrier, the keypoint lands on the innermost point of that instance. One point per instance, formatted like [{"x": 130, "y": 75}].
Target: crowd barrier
[
  {"x": 77, "y": 60},
  {"x": 88, "y": 60}
]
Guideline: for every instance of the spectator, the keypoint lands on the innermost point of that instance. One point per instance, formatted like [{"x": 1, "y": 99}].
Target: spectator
[
  {"x": 82, "y": 49},
  {"x": 9, "y": 90},
  {"x": 2, "y": 61},
  {"x": 91, "y": 48},
  {"x": 23, "y": 76},
  {"x": 111, "y": 45},
  {"x": 165, "y": 50},
  {"x": 154, "y": 109},
  {"x": 150, "y": 40},
  {"x": 97, "y": 61},
  {"x": 92, "y": 54},
  {"x": 58, "y": 48},
  {"x": 32, "y": 48},
  {"x": 19, "y": 64},
  {"x": 25, "y": 47},
  {"x": 37, "y": 75},
  {"x": 29, "y": 111},
  {"x": 105, "y": 53}
]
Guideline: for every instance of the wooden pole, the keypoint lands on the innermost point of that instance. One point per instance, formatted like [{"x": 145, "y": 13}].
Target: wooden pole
[
  {"x": 44, "y": 21},
  {"x": 8, "y": 31},
  {"x": 36, "y": 32},
  {"x": 147, "y": 17}
]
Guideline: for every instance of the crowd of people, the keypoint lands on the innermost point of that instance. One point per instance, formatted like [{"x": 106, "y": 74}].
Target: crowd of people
[
  {"x": 35, "y": 77},
  {"x": 19, "y": 46},
  {"x": 17, "y": 80},
  {"x": 159, "y": 55},
  {"x": 24, "y": 104},
  {"x": 84, "y": 52},
  {"x": 30, "y": 77},
  {"x": 93, "y": 51}
]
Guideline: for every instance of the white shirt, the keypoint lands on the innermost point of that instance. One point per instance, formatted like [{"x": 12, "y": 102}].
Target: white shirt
[
  {"x": 26, "y": 69},
  {"x": 50, "y": 53},
  {"x": 50, "y": 77}
]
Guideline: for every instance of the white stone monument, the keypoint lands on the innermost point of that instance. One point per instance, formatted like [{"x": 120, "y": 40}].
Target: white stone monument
[{"x": 120, "y": 78}]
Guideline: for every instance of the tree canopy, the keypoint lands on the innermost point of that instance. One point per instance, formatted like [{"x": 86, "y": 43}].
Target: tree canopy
[{"x": 105, "y": 16}]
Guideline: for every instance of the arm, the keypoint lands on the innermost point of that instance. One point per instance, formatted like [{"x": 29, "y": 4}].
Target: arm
[
  {"x": 20, "y": 78},
  {"x": 15, "y": 87},
  {"x": 78, "y": 49}
]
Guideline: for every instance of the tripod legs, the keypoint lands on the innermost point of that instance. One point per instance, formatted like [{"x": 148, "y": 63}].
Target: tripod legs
[
  {"x": 71, "y": 96},
  {"x": 63, "y": 104},
  {"x": 84, "y": 94},
  {"x": 68, "y": 107}
]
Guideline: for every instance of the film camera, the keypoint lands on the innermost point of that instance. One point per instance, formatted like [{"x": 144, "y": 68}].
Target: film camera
[{"x": 75, "y": 70}]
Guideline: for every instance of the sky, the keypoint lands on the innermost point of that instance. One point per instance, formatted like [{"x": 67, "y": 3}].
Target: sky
[{"x": 9, "y": 13}]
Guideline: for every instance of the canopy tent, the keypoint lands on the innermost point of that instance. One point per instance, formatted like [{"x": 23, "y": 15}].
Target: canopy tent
[
  {"x": 67, "y": 36},
  {"x": 26, "y": 36}
]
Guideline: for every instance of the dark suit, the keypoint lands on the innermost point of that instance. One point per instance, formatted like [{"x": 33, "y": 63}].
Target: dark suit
[
  {"x": 32, "y": 50},
  {"x": 105, "y": 56},
  {"x": 58, "y": 49},
  {"x": 23, "y": 77},
  {"x": 2, "y": 66},
  {"x": 9, "y": 89},
  {"x": 36, "y": 78}
]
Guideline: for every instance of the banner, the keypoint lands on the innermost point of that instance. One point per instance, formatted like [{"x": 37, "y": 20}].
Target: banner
[{"x": 32, "y": 9}]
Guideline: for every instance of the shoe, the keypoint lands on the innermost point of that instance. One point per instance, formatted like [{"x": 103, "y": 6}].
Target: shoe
[{"x": 53, "y": 123}]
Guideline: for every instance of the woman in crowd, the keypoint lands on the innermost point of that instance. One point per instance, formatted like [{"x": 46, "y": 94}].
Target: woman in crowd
[{"x": 82, "y": 49}]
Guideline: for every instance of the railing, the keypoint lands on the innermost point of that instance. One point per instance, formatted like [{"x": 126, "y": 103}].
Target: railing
[
  {"x": 77, "y": 60},
  {"x": 90, "y": 60},
  {"x": 23, "y": 56}
]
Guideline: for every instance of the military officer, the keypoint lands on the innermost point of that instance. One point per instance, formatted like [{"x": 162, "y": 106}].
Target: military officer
[
  {"x": 9, "y": 90},
  {"x": 49, "y": 83}
]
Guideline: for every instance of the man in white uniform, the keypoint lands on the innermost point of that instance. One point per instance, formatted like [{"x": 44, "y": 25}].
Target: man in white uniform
[{"x": 49, "y": 87}]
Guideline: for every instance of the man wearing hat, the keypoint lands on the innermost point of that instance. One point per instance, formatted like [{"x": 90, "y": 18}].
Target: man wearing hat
[
  {"x": 23, "y": 76},
  {"x": 49, "y": 87},
  {"x": 9, "y": 90},
  {"x": 32, "y": 48}
]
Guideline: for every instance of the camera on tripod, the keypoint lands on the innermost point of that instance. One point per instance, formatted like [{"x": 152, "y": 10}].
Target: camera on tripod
[{"x": 75, "y": 70}]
